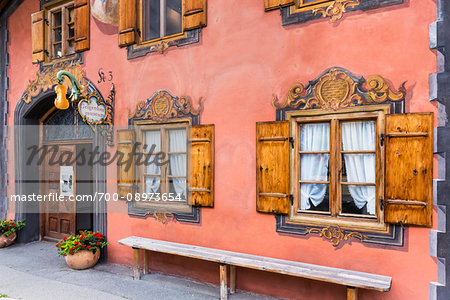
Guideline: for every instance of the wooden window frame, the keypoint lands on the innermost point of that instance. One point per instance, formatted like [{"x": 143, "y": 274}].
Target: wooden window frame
[
  {"x": 300, "y": 6},
  {"x": 162, "y": 24},
  {"x": 63, "y": 7},
  {"x": 334, "y": 217},
  {"x": 142, "y": 128}
]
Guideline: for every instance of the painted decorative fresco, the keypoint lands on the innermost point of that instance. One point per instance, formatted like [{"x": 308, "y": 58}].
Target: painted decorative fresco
[{"x": 106, "y": 11}]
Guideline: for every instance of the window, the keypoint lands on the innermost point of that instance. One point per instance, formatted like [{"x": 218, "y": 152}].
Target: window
[
  {"x": 348, "y": 168},
  {"x": 336, "y": 165},
  {"x": 165, "y": 177},
  {"x": 159, "y": 24},
  {"x": 161, "y": 18},
  {"x": 61, "y": 30}
]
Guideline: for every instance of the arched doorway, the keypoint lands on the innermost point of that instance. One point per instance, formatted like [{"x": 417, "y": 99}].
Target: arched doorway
[{"x": 37, "y": 124}]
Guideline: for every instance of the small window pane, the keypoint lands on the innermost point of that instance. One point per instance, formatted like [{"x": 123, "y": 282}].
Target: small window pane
[
  {"x": 151, "y": 19},
  {"x": 152, "y": 141},
  {"x": 71, "y": 15},
  {"x": 358, "y": 136},
  {"x": 314, "y": 167},
  {"x": 57, "y": 50},
  {"x": 314, "y": 197},
  {"x": 173, "y": 17},
  {"x": 58, "y": 36},
  {"x": 71, "y": 47},
  {"x": 177, "y": 140},
  {"x": 177, "y": 165},
  {"x": 315, "y": 137},
  {"x": 152, "y": 185},
  {"x": 71, "y": 31},
  {"x": 57, "y": 19},
  {"x": 358, "y": 199},
  {"x": 358, "y": 168},
  {"x": 177, "y": 188}
]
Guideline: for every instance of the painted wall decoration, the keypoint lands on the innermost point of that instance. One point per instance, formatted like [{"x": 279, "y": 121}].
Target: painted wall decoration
[
  {"x": 106, "y": 11},
  {"x": 337, "y": 88},
  {"x": 46, "y": 79}
]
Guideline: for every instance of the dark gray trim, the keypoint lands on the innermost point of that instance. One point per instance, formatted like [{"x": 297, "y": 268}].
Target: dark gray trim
[
  {"x": 192, "y": 36},
  {"x": 440, "y": 92},
  {"x": 394, "y": 236},
  {"x": 4, "y": 85},
  {"x": 302, "y": 17}
]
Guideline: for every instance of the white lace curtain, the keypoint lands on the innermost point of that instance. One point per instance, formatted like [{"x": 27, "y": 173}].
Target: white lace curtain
[
  {"x": 360, "y": 136},
  {"x": 314, "y": 167},
  {"x": 152, "y": 184},
  {"x": 177, "y": 143}
]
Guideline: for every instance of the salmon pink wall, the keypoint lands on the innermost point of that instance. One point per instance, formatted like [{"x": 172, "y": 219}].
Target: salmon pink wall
[{"x": 244, "y": 56}]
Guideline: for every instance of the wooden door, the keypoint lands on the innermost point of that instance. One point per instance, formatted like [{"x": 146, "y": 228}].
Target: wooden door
[{"x": 58, "y": 180}]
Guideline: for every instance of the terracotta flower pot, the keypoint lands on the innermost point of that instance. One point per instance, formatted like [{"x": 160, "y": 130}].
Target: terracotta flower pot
[
  {"x": 6, "y": 241},
  {"x": 84, "y": 259}
]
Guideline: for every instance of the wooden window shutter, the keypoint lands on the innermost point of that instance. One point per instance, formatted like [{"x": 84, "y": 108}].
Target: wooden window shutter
[
  {"x": 126, "y": 170},
  {"x": 202, "y": 165},
  {"x": 37, "y": 37},
  {"x": 127, "y": 22},
  {"x": 409, "y": 169},
  {"x": 274, "y": 4},
  {"x": 82, "y": 25},
  {"x": 272, "y": 167},
  {"x": 194, "y": 14}
]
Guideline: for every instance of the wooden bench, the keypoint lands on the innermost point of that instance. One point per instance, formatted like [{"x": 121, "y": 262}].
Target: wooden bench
[{"x": 351, "y": 279}]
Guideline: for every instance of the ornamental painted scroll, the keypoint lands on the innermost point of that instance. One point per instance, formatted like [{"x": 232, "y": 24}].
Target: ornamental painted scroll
[
  {"x": 163, "y": 106},
  {"x": 336, "y": 235},
  {"x": 337, "y": 88},
  {"x": 46, "y": 79},
  {"x": 336, "y": 9}
]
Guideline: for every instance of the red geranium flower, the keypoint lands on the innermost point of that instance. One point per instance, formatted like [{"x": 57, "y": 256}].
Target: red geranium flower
[{"x": 98, "y": 243}]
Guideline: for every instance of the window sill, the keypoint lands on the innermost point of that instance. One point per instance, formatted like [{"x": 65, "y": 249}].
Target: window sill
[{"x": 162, "y": 45}]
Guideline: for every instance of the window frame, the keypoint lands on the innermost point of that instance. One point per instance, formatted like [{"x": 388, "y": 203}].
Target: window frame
[
  {"x": 140, "y": 22},
  {"x": 335, "y": 217},
  {"x": 49, "y": 12},
  {"x": 301, "y": 7},
  {"x": 141, "y": 128}
]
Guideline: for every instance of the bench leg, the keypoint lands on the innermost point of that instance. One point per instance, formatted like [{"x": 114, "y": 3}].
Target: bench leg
[
  {"x": 136, "y": 267},
  {"x": 352, "y": 293},
  {"x": 232, "y": 279},
  {"x": 223, "y": 282},
  {"x": 146, "y": 261}
]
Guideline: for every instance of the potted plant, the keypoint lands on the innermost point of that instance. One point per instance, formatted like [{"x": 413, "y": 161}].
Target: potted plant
[
  {"x": 82, "y": 251},
  {"x": 8, "y": 229}
]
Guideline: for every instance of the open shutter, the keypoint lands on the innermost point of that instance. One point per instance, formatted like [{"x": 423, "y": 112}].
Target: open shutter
[
  {"x": 37, "y": 37},
  {"x": 202, "y": 165},
  {"x": 409, "y": 169},
  {"x": 272, "y": 167},
  {"x": 127, "y": 22},
  {"x": 274, "y": 4},
  {"x": 194, "y": 14},
  {"x": 125, "y": 169},
  {"x": 82, "y": 23}
]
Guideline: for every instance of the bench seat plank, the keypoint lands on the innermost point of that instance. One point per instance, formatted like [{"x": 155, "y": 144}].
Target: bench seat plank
[{"x": 310, "y": 271}]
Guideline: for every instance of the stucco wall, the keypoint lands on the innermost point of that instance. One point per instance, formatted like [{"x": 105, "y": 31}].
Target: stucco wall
[{"x": 244, "y": 56}]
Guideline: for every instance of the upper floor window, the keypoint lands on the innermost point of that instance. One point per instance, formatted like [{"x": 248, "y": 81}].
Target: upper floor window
[
  {"x": 60, "y": 30},
  {"x": 159, "y": 24},
  {"x": 161, "y": 18}
]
